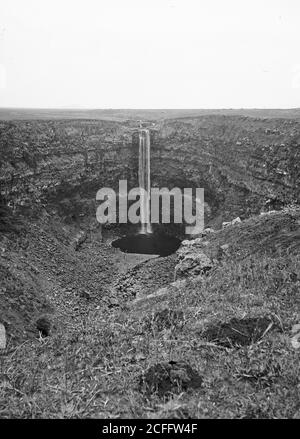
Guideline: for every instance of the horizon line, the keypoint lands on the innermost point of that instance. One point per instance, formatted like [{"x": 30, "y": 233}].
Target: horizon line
[{"x": 146, "y": 109}]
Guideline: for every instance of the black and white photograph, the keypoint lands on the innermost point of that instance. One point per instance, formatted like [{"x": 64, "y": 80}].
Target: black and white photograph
[{"x": 149, "y": 213}]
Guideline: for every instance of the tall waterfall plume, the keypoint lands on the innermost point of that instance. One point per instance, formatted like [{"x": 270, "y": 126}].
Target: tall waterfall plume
[{"x": 144, "y": 179}]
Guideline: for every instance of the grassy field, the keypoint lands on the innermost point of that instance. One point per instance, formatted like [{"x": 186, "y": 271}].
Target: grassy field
[{"x": 214, "y": 346}]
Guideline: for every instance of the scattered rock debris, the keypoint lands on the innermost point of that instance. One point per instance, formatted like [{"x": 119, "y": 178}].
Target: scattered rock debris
[
  {"x": 231, "y": 223},
  {"x": 169, "y": 378}
]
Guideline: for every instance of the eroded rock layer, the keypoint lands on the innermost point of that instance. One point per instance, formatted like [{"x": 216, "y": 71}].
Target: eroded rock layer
[{"x": 244, "y": 164}]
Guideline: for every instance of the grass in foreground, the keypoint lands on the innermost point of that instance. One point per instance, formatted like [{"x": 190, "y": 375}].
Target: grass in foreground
[{"x": 95, "y": 368}]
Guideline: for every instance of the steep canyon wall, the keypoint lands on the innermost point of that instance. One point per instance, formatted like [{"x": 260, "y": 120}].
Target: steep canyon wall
[{"x": 244, "y": 164}]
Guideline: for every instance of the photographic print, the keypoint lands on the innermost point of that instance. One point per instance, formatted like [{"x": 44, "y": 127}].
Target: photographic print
[{"x": 149, "y": 213}]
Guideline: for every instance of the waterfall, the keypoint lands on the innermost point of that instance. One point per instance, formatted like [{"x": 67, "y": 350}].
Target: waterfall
[{"x": 144, "y": 179}]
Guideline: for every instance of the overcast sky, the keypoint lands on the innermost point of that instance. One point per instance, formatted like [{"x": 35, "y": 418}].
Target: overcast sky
[{"x": 150, "y": 53}]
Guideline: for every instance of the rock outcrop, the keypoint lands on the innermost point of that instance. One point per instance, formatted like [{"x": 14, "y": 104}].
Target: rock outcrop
[
  {"x": 79, "y": 239},
  {"x": 192, "y": 262},
  {"x": 241, "y": 162},
  {"x": 231, "y": 223}
]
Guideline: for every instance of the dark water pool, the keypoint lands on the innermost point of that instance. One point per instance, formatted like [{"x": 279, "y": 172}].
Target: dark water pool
[{"x": 149, "y": 244}]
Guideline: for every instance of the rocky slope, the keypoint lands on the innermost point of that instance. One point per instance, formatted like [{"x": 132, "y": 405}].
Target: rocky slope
[
  {"x": 219, "y": 344},
  {"x": 244, "y": 164},
  {"x": 204, "y": 333},
  {"x": 51, "y": 170}
]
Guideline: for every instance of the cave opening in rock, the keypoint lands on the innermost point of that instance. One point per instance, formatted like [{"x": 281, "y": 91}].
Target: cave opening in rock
[{"x": 157, "y": 243}]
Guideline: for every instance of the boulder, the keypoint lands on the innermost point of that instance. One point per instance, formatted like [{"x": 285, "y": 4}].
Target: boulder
[
  {"x": 193, "y": 264},
  {"x": 79, "y": 239},
  {"x": 226, "y": 224},
  {"x": 208, "y": 231},
  {"x": 231, "y": 223},
  {"x": 225, "y": 249},
  {"x": 191, "y": 242},
  {"x": 193, "y": 260},
  {"x": 236, "y": 221}
]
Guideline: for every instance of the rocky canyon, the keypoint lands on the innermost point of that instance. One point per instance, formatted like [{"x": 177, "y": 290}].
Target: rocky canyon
[{"x": 208, "y": 331}]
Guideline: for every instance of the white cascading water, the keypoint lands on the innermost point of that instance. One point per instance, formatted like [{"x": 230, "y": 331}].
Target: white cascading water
[{"x": 144, "y": 179}]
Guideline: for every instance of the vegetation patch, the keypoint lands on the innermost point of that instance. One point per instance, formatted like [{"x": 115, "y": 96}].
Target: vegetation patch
[
  {"x": 103, "y": 361},
  {"x": 239, "y": 332},
  {"x": 165, "y": 318},
  {"x": 166, "y": 379}
]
